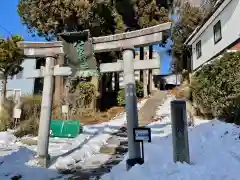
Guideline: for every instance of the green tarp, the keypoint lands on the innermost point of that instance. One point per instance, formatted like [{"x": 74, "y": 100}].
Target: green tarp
[{"x": 65, "y": 128}]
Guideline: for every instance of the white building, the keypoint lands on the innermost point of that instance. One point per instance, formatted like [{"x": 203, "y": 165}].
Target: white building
[
  {"x": 219, "y": 32},
  {"x": 19, "y": 84}
]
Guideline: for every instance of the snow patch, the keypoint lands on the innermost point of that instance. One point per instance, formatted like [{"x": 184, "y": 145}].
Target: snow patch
[
  {"x": 97, "y": 136},
  {"x": 14, "y": 166},
  {"x": 214, "y": 152}
]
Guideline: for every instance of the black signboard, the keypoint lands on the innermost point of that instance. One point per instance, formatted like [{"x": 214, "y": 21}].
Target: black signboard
[{"x": 142, "y": 134}]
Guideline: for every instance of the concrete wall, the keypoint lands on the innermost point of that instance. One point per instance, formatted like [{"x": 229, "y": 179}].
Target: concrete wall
[
  {"x": 228, "y": 13},
  {"x": 19, "y": 82}
]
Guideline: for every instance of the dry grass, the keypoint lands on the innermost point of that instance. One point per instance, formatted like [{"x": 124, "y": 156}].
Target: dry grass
[
  {"x": 182, "y": 93},
  {"x": 90, "y": 117},
  {"x": 31, "y": 107},
  {"x": 29, "y": 122},
  {"x": 177, "y": 92},
  {"x": 99, "y": 117},
  {"x": 5, "y": 120}
]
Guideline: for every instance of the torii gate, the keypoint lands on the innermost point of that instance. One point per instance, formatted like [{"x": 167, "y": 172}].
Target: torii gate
[{"x": 126, "y": 42}]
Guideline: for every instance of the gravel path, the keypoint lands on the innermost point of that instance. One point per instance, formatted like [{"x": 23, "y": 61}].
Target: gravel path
[{"x": 148, "y": 111}]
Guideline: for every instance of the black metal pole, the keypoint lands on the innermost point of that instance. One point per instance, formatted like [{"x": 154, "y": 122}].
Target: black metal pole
[{"x": 142, "y": 152}]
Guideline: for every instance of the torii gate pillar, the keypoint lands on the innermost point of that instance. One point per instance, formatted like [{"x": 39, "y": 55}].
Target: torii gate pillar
[{"x": 131, "y": 103}]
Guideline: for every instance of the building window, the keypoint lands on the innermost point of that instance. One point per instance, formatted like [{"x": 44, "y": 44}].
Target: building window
[
  {"x": 199, "y": 49},
  {"x": 38, "y": 86},
  {"x": 40, "y": 62},
  {"x": 217, "y": 32}
]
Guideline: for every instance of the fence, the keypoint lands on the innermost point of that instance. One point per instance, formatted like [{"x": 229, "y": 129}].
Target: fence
[{"x": 14, "y": 93}]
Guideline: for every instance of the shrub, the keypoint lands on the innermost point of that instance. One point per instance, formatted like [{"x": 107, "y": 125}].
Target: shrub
[
  {"x": 6, "y": 115},
  {"x": 87, "y": 92},
  {"x": 82, "y": 94},
  {"x": 139, "y": 89},
  {"x": 121, "y": 97},
  {"x": 216, "y": 87},
  {"x": 184, "y": 91},
  {"x": 28, "y": 127},
  {"x": 31, "y": 108},
  {"x": 5, "y": 120},
  {"x": 121, "y": 93}
]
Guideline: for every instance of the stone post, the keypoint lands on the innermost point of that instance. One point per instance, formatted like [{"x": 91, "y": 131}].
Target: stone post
[{"x": 179, "y": 131}]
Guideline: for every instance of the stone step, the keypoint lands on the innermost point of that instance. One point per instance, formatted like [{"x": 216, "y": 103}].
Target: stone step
[
  {"x": 113, "y": 141},
  {"x": 122, "y": 149},
  {"x": 124, "y": 143},
  {"x": 122, "y": 135},
  {"x": 108, "y": 150}
]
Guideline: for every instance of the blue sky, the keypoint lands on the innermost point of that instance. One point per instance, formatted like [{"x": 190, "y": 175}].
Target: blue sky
[
  {"x": 10, "y": 21},
  {"x": 166, "y": 60},
  {"x": 10, "y": 24}
]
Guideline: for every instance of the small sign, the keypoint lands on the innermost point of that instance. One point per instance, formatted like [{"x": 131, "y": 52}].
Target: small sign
[
  {"x": 142, "y": 134},
  {"x": 65, "y": 109},
  {"x": 17, "y": 113}
]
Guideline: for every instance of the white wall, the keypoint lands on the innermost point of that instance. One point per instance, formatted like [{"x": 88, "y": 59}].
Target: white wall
[
  {"x": 173, "y": 79},
  {"x": 23, "y": 84},
  {"x": 230, "y": 23}
]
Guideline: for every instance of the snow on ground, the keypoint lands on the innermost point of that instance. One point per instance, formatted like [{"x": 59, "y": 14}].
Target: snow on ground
[
  {"x": 13, "y": 166},
  {"x": 214, "y": 153},
  {"x": 95, "y": 136},
  {"x": 15, "y": 157},
  {"x": 13, "y": 161},
  {"x": 7, "y": 143}
]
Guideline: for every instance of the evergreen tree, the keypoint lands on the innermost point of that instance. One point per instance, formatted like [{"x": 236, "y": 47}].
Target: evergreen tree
[
  {"x": 190, "y": 18},
  {"x": 11, "y": 58},
  {"x": 149, "y": 13},
  {"x": 120, "y": 26},
  {"x": 47, "y": 18}
]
